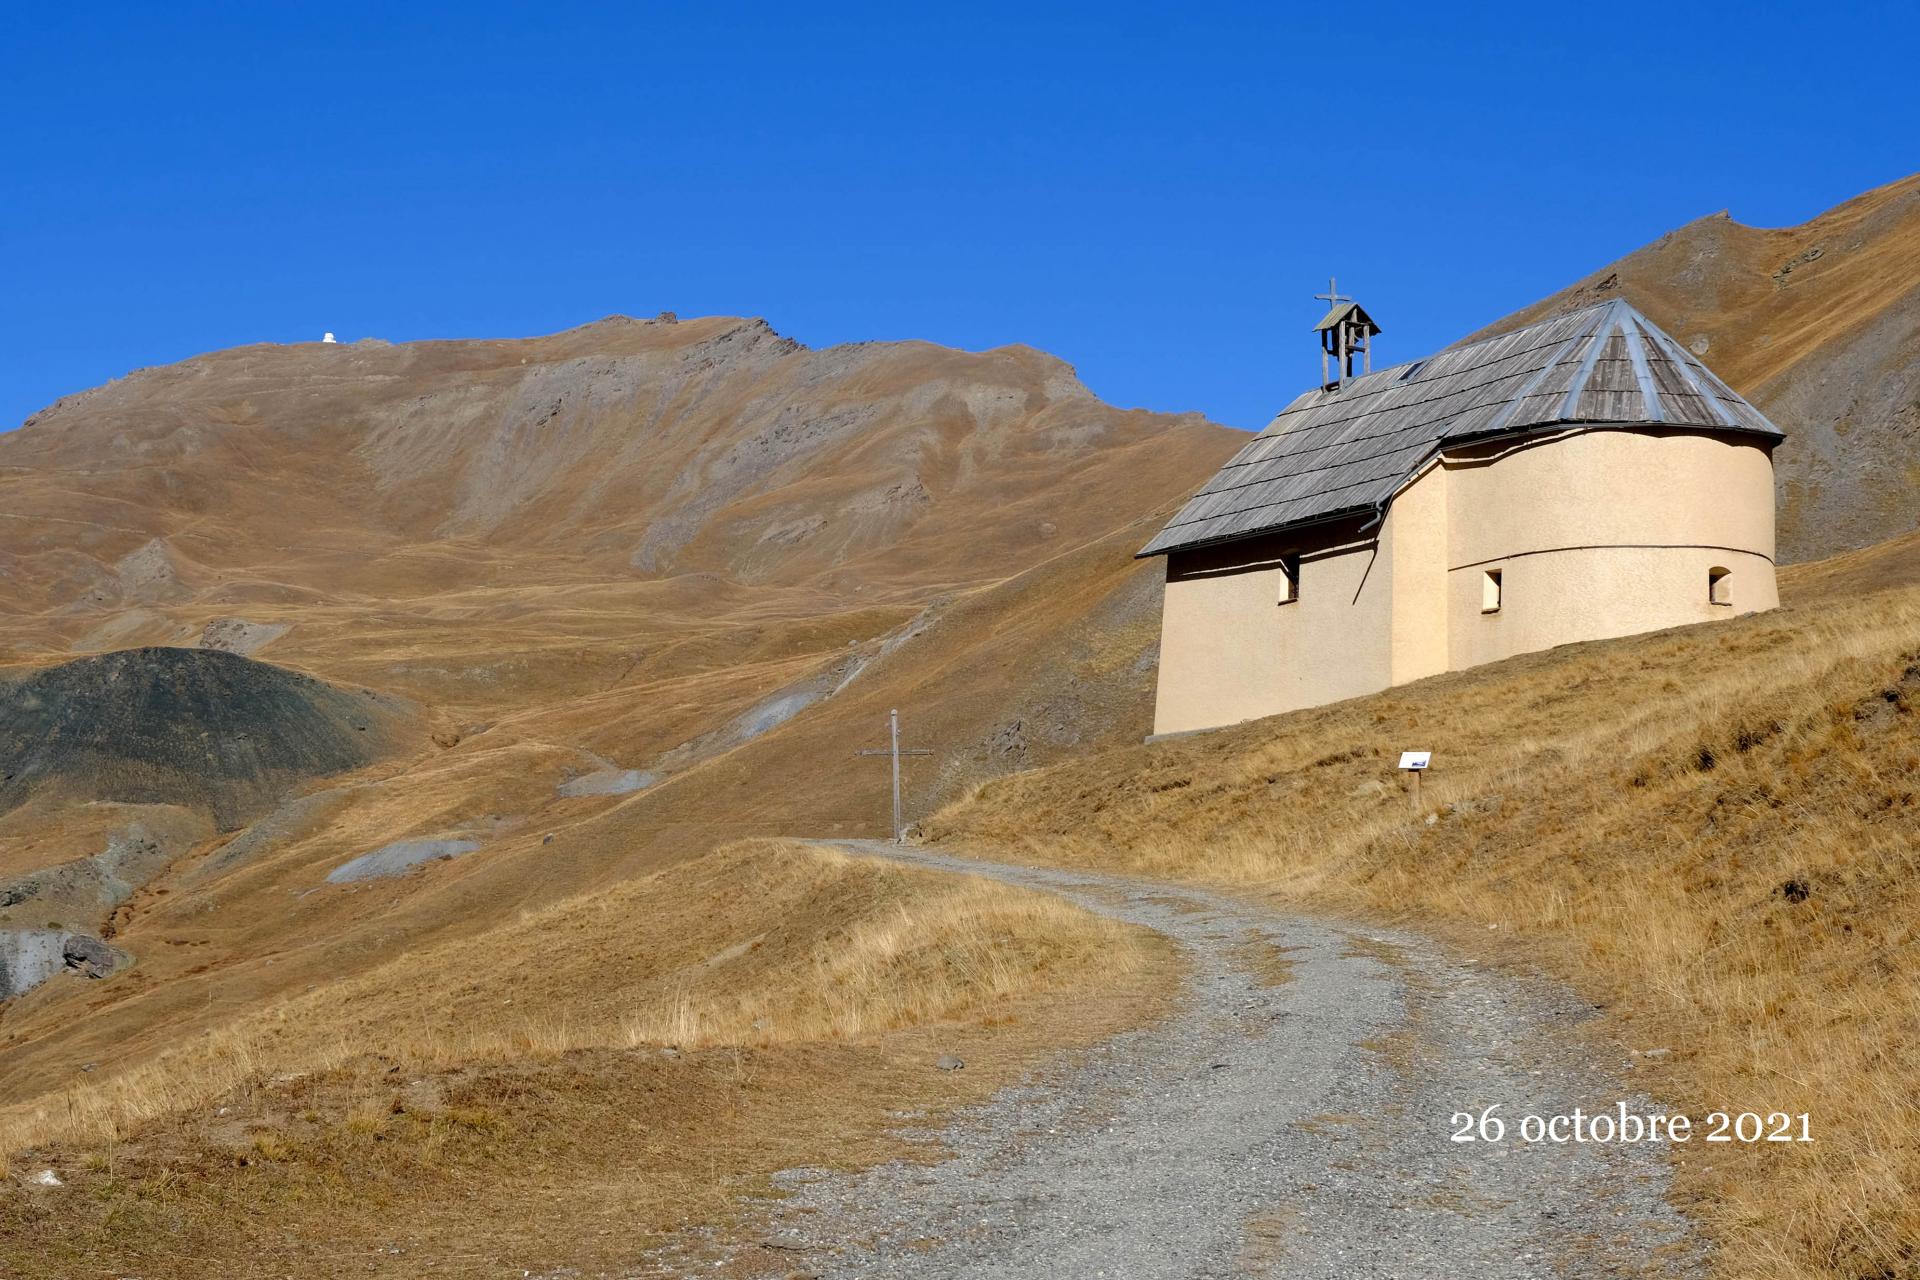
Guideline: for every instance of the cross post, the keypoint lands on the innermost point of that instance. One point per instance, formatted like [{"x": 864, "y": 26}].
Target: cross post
[{"x": 894, "y": 751}]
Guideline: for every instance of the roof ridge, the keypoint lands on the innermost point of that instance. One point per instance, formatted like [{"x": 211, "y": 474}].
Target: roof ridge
[
  {"x": 1477, "y": 342},
  {"x": 1611, "y": 322},
  {"x": 1519, "y": 329}
]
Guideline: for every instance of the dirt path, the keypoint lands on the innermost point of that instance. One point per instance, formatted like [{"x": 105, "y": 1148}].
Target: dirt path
[{"x": 1298, "y": 1128}]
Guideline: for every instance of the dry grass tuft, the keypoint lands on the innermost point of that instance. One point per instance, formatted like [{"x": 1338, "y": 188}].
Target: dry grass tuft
[
  {"x": 612, "y": 1066},
  {"x": 1714, "y": 830},
  {"x": 760, "y": 943}
]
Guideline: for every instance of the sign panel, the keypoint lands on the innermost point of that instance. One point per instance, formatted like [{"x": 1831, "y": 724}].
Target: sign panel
[{"x": 1415, "y": 759}]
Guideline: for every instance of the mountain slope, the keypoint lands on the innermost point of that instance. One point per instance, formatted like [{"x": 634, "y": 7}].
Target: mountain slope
[
  {"x": 651, "y": 585},
  {"x": 1818, "y": 325},
  {"x": 634, "y": 449}
]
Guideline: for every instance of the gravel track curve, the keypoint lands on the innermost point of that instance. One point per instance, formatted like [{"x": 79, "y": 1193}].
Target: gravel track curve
[{"x": 1291, "y": 1129}]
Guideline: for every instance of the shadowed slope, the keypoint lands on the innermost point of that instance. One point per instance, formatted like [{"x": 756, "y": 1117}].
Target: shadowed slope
[{"x": 192, "y": 727}]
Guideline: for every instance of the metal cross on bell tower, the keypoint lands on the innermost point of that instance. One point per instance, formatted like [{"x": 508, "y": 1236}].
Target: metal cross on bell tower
[
  {"x": 1346, "y": 332},
  {"x": 1332, "y": 297}
]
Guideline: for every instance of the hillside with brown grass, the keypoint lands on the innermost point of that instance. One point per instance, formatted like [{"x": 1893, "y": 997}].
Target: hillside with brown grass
[
  {"x": 616, "y": 607},
  {"x": 626, "y": 450},
  {"x": 1711, "y": 830},
  {"x": 638, "y": 590},
  {"x": 1819, "y": 326},
  {"x": 617, "y": 1065}
]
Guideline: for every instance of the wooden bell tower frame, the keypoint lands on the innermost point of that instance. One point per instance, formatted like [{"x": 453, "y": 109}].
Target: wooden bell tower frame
[{"x": 1346, "y": 332}]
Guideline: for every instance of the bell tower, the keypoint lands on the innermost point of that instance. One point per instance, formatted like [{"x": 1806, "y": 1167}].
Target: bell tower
[{"x": 1346, "y": 332}]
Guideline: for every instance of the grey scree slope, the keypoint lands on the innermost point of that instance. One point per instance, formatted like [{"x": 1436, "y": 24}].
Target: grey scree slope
[{"x": 1336, "y": 453}]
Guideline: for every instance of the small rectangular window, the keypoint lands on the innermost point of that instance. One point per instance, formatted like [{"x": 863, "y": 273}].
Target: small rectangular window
[
  {"x": 1719, "y": 586},
  {"x": 1490, "y": 592},
  {"x": 1289, "y": 579}
]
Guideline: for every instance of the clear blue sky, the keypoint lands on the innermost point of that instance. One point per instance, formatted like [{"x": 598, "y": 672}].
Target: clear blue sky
[{"x": 1153, "y": 193}]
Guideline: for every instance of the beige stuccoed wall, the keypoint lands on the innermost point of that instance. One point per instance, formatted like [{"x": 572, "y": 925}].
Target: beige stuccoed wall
[
  {"x": 1230, "y": 651},
  {"x": 1597, "y": 594},
  {"x": 1416, "y": 536},
  {"x": 1597, "y": 534},
  {"x": 1220, "y": 648},
  {"x": 1609, "y": 488},
  {"x": 1601, "y": 534}
]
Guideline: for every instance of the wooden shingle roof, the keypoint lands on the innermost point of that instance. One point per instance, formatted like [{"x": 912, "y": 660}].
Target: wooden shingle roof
[
  {"x": 1334, "y": 453},
  {"x": 1341, "y": 310}
]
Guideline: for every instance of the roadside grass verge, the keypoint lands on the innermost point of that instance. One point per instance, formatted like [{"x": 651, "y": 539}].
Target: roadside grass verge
[{"x": 616, "y": 1065}]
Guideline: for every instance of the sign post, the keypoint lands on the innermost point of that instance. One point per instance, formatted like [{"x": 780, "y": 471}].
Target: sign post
[{"x": 1415, "y": 763}]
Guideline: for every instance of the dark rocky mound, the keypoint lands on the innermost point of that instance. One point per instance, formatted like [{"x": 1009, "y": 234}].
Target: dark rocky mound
[{"x": 194, "y": 727}]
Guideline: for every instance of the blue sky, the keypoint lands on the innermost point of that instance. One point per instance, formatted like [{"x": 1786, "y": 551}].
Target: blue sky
[{"x": 1153, "y": 193}]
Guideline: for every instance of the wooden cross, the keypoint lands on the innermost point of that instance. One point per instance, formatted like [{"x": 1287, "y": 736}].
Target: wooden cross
[
  {"x": 1333, "y": 296},
  {"x": 895, "y": 750}
]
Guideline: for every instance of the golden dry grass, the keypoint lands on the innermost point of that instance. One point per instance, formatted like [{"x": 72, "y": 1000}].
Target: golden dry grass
[
  {"x": 458, "y": 1065},
  {"x": 1713, "y": 831},
  {"x": 357, "y": 500},
  {"x": 759, "y": 943}
]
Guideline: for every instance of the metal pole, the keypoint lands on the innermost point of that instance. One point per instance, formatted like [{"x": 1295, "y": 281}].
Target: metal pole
[{"x": 893, "y": 726}]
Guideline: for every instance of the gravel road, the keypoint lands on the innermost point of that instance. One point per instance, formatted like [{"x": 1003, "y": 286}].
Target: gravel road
[{"x": 1298, "y": 1129}]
